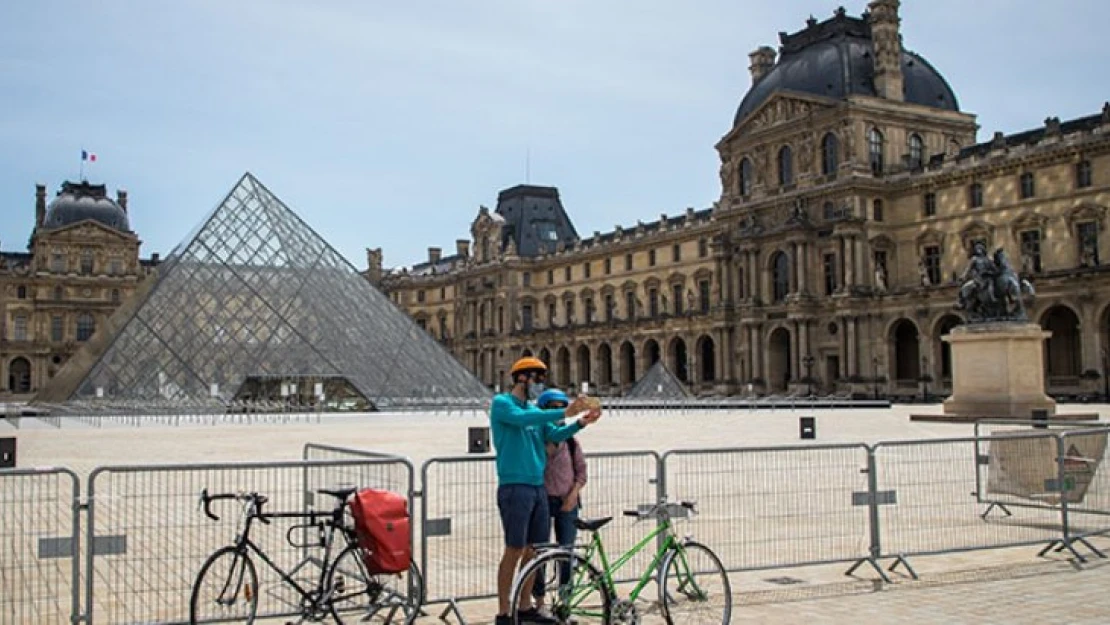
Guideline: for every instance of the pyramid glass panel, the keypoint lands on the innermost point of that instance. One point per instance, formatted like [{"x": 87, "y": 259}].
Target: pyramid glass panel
[
  {"x": 255, "y": 294},
  {"x": 658, "y": 383}
]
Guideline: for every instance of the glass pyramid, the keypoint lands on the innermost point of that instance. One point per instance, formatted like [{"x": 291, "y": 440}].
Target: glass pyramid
[
  {"x": 658, "y": 383},
  {"x": 255, "y": 294}
]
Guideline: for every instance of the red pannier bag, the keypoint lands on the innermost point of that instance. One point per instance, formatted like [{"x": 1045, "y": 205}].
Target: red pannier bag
[{"x": 382, "y": 525}]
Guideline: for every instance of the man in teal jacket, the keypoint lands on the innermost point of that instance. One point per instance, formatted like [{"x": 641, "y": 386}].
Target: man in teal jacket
[{"x": 520, "y": 431}]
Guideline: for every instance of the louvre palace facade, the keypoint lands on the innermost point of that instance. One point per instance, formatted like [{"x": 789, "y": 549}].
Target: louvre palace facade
[
  {"x": 852, "y": 189},
  {"x": 82, "y": 262}
]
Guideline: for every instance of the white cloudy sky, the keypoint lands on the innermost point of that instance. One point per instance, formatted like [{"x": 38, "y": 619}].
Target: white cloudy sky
[{"x": 388, "y": 124}]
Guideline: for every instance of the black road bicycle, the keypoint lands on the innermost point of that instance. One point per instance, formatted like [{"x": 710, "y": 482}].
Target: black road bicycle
[{"x": 226, "y": 588}]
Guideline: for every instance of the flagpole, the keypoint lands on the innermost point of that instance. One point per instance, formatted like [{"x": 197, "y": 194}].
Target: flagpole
[{"x": 81, "y": 175}]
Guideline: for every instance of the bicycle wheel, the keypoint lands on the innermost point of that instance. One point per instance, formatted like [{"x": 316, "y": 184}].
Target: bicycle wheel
[
  {"x": 226, "y": 589},
  {"x": 583, "y": 598},
  {"x": 693, "y": 586},
  {"x": 357, "y": 594}
]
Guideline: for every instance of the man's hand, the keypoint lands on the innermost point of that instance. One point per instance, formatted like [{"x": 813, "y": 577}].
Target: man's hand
[
  {"x": 577, "y": 406},
  {"x": 590, "y": 417},
  {"x": 570, "y": 501}
]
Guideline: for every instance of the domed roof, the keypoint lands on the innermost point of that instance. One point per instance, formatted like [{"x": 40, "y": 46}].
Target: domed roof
[
  {"x": 835, "y": 59},
  {"x": 78, "y": 201}
]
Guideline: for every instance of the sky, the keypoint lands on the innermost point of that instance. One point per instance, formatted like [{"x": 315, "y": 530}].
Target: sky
[{"x": 387, "y": 124}]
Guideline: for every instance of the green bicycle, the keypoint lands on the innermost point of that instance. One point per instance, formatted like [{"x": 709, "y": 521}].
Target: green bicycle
[{"x": 579, "y": 587}]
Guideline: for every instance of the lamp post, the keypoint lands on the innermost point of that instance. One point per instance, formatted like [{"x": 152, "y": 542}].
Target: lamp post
[
  {"x": 875, "y": 375},
  {"x": 925, "y": 378},
  {"x": 808, "y": 362}
]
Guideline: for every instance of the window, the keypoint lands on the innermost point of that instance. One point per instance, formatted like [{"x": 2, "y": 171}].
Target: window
[
  {"x": 653, "y": 303},
  {"x": 628, "y": 262},
  {"x": 115, "y": 296},
  {"x": 1088, "y": 244},
  {"x": 780, "y": 275},
  {"x": 500, "y": 320},
  {"x": 57, "y": 329},
  {"x": 420, "y": 296},
  {"x": 745, "y": 177},
  {"x": 588, "y": 303},
  {"x": 830, "y": 154},
  {"x": 608, "y": 266},
  {"x": 85, "y": 326},
  {"x": 86, "y": 262},
  {"x": 552, "y": 313},
  {"x": 115, "y": 266},
  {"x": 677, "y": 292},
  {"x": 929, "y": 202},
  {"x": 423, "y": 323},
  {"x": 975, "y": 195},
  {"x": 786, "y": 166},
  {"x": 676, "y": 252},
  {"x": 443, "y": 327},
  {"x": 829, "y": 211},
  {"x": 703, "y": 247},
  {"x": 1083, "y": 174},
  {"x": 1031, "y": 251},
  {"x": 526, "y": 278},
  {"x": 526, "y": 317},
  {"x": 568, "y": 307},
  {"x": 880, "y": 262},
  {"x": 651, "y": 258},
  {"x": 916, "y": 148},
  {"x": 586, "y": 270},
  {"x": 57, "y": 262},
  {"x": 610, "y": 307},
  {"x": 875, "y": 150},
  {"x": 566, "y": 274},
  {"x": 59, "y": 294},
  {"x": 20, "y": 328},
  {"x": 551, "y": 276},
  {"x": 442, "y": 295},
  {"x": 703, "y": 293},
  {"x": 877, "y": 210},
  {"x": 629, "y": 305},
  {"x": 932, "y": 263},
  {"x": 1028, "y": 188},
  {"x": 830, "y": 273},
  {"x": 21, "y": 292}
]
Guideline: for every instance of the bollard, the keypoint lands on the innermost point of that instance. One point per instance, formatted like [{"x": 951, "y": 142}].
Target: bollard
[
  {"x": 7, "y": 453},
  {"x": 808, "y": 427},
  {"x": 1040, "y": 419},
  {"x": 478, "y": 440}
]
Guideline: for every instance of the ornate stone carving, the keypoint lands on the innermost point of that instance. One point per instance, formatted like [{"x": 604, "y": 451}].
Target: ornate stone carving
[{"x": 991, "y": 290}]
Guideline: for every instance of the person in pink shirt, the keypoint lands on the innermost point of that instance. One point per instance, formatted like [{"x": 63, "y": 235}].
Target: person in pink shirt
[{"x": 563, "y": 479}]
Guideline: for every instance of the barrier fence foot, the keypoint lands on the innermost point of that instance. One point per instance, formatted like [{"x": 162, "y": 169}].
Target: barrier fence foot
[
  {"x": 874, "y": 564},
  {"x": 1088, "y": 545},
  {"x": 452, "y": 606},
  {"x": 904, "y": 562},
  {"x": 994, "y": 505},
  {"x": 1060, "y": 545}
]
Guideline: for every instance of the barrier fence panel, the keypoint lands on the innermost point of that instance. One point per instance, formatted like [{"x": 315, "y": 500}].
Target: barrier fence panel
[
  {"x": 462, "y": 535},
  {"x": 775, "y": 506},
  {"x": 147, "y": 538},
  {"x": 39, "y": 540},
  {"x": 933, "y": 493},
  {"x": 1085, "y": 485}
]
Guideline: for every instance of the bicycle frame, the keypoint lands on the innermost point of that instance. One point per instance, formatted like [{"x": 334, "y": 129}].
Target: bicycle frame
[{"x": 596, "y": 546}]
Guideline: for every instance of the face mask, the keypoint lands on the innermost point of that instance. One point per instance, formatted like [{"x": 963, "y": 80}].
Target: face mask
[{"x": 535, "y": 389}]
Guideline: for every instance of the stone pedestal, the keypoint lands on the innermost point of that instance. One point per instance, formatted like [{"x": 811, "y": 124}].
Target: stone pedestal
[{"x": 998, "y": 371}]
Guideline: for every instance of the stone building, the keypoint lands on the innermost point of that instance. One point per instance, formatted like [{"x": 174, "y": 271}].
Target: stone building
[
  {"x": 852, "y": 189},
  {"x": 82, "y": 263}
]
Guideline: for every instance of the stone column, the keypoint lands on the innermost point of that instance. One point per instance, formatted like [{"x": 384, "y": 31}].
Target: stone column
[
  {"x": 862, "y": 272},
  {"x": 803, "y": 266},
  {"x": 795, "y": 355},
  {"x": 794, "y": 281},
  {"x": 849, "y": 262},
  {"x": 852, "y": 367}
]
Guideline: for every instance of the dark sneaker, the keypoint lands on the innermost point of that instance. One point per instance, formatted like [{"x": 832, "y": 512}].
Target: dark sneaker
[
  {"x": 503, "y": 619},
  {"x": 533, "y": 615}
]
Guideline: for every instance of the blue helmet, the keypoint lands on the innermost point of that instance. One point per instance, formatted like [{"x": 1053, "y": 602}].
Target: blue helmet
[{"x": 551, "y": 395}]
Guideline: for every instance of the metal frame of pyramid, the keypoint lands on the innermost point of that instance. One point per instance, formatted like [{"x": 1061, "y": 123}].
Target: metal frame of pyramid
[
  {"x": 658, "y": 383},
  {"x": 255, "y": 292}
]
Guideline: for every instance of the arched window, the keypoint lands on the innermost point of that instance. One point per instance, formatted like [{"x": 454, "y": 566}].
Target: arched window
[
  {"x": 877, "y": 210},
  {"x": 86, "y": 325},
  {"x": 780, "y": 277},
  {"x": 830, "y": 154},
  {"x": 875, "y": 150},
  {"x": 115, "y": 296},
  {"x": 916, "y": 149},
  {"x": 21, "y": 292},
  {"x": 786, "y": 166},
  {"x": 745, "y": 177}
]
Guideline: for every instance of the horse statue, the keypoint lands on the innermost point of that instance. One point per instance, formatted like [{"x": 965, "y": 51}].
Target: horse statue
[{"x": 1009, "y": 289}]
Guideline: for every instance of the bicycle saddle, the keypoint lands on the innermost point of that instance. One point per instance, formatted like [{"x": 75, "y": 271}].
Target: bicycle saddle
[
  {"x": 592, "y": 525},
  {"x": 339, "y": 493}
]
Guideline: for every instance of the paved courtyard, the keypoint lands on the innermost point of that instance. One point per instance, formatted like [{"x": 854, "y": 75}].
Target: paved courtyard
[{"x": 1011, "y": 585}]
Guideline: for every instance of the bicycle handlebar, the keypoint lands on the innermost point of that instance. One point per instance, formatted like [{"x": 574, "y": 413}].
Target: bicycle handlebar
[
  {"x": 662, "y": 509},
  {"x": 256, "y": 500}
]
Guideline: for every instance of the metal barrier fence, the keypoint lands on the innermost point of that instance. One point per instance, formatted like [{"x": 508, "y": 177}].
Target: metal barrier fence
[
  {"x": 1084, "y": 490},
  {"x": 460, "y": 502},
  {"x": 146, "y": 538},
  {"x": 772, "y": 507},
  {"x": 39, "y": 542}
]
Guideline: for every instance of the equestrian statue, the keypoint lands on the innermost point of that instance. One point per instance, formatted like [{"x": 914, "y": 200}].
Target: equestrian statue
[{"x": 990, "y": 289}]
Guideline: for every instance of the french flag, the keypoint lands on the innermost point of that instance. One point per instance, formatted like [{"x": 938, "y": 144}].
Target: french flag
[{"x": 88, "y": 156}]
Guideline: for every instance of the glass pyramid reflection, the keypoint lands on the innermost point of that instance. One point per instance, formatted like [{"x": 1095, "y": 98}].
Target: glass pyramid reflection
[{"x": 255, "y": 294}]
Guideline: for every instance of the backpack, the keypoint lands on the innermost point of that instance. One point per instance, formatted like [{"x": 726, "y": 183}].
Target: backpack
[{"x": 382, "y": 526}]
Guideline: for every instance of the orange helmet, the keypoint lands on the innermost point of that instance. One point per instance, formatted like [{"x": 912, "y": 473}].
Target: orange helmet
[{"x": 526, "y": 364}]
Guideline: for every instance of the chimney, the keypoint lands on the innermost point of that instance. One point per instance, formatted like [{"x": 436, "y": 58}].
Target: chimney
[
  {"x": 763, "y": 59},
  {"x": 121, "y": 199},
  {"x": 374, "y": 265},
  {"x": 462, "y": 247},
  {"x": 154, "y": 258},
  {"x": 887, "y": 41},
  {"x": 40, "y": 204},
  {"x": 434, "y": 254}
]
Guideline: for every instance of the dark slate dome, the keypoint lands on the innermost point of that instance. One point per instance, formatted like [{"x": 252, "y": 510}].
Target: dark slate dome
[
  {"x": 78, "y": 201},
  {"x": 835, "y": 59}
]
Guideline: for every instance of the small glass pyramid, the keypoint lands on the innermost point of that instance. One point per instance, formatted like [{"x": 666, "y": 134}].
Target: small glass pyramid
[
  {"x": 658, "y": 383},
  {"x": 255, "y": 296}
]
